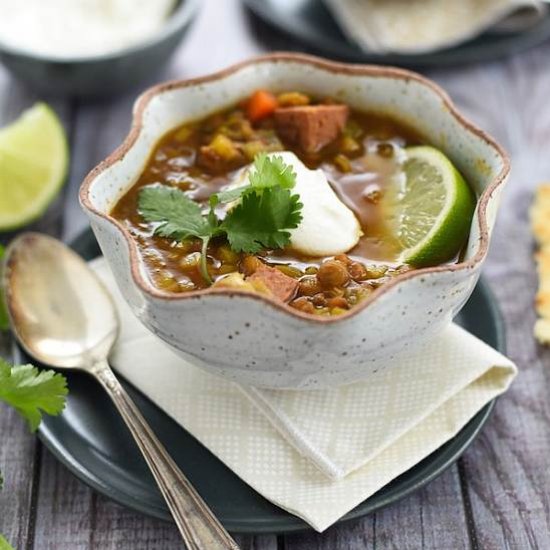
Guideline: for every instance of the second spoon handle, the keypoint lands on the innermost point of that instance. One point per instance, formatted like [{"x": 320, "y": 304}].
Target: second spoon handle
[{"x": 198, "y": 526}]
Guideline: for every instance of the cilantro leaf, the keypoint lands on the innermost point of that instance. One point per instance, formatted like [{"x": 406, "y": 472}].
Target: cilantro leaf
[
  {"x": 179, "y": 217},
  {"x": 271, "y": 172},
  {"x": 267, "y": 172},
  {"x": 229, "y": 195},
  {"x": 31, "y": 392},
  {"x": 261, "y": 220},
  {"x": 4, "y": 320},
  {"x": 265, "y": 213}
]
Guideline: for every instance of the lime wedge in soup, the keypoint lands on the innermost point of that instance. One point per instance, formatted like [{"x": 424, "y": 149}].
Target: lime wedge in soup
[
  {"x": 33, "y": 165},
  {"x": 430, "y": 209}
]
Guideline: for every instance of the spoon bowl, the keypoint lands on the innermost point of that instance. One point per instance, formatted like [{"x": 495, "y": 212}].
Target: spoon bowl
[{"x": 60, "y": 311}]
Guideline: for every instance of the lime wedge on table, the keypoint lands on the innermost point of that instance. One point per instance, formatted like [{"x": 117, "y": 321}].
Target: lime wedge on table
[
  {"x": 431, "y": 210},
  {"x": 33, "y": 165}
]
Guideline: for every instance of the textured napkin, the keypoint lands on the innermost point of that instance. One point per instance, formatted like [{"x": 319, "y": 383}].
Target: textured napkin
[
  {"x": 318, "y": 453},
  {"x": 420, "y": 26}
]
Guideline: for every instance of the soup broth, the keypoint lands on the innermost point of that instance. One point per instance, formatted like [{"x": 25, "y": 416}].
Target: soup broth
[{"x": 203, "y": 157}]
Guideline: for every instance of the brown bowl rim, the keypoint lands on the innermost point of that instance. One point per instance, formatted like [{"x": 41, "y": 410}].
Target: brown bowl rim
[{"x": 330, "y": 67}]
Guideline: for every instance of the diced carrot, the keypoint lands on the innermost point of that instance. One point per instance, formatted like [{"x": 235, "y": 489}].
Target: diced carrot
[{"x": 260, "y": 105}]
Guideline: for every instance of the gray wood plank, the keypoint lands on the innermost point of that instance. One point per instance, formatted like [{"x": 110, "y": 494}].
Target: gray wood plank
[
  {"x": 65, "y": 511},
  {"x": 99, "y": 128},
  {"x": 430, "y": 518},
  {"x": 259, "y": 542},
  {"x": 433, "y": 517},
  {"x": 354, "y": 535},
  {"x": 19, "y": 450},
  {"x": 17, "y": 464},
  {"x": 71, "y": 516}
]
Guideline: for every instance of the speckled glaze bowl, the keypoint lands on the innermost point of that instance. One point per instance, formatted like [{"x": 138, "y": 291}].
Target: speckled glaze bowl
[
  {"x": 250, "y": 338},
  {"x": 106, "y": 74}
]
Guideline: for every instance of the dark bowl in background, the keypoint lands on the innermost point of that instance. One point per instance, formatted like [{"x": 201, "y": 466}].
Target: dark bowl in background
[{"x": 105, "y": 74}]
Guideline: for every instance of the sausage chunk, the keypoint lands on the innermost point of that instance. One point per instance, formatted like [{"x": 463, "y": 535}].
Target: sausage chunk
[
  {"x": 280, "y": 285},
  {"x": 311, "y": 127}
]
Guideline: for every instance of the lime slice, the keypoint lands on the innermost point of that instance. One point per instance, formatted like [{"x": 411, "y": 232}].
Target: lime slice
[
  {"x": 33, "y": 165},
  {"x": 431, "y": 209}
]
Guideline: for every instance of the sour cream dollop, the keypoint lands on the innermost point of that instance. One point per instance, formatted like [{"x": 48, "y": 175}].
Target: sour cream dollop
[
  {"x": 328, "y": 226},
  {"x": 79, "y": 28}
]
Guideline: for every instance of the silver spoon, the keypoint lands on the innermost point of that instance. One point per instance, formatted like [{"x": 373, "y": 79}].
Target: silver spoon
[{"x": 64, "y": 317}]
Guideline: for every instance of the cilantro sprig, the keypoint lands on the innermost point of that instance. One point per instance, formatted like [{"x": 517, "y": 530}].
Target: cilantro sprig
[
  {"x": 32, "y": 392},
  {"x": 265, "y": 213},
  {"x": 268, "y": 172}
]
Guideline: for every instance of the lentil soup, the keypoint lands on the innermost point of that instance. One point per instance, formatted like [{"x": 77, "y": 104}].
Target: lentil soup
[{"x": 357, "y": 151}]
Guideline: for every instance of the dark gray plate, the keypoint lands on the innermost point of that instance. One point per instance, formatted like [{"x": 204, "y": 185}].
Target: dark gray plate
[
  {"x": 311, "y": 26},
  {"x": 92, "y": 441}
]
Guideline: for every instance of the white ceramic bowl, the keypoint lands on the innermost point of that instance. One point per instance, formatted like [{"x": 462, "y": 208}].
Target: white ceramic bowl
[
  {"x": 102, "y": 75},
  {"x": 250, "y": 338}
]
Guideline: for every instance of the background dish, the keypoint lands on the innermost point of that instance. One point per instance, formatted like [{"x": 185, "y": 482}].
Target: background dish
[
  {"x": 310, "y": 25},
  {"x": 106, "y": 74},
  {"x": 91, "y": 440}
]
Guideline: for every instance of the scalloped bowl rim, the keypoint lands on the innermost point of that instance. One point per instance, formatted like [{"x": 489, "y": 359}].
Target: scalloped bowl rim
[{"x": 332, "y": 67}]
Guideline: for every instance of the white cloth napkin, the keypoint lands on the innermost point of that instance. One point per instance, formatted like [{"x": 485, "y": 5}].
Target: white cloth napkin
[
  {"x": 318, "y": 453},
  {"x": 421, "y": 26}
]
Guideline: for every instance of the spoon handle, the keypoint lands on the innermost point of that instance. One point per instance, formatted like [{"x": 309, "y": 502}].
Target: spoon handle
[{"x": 197, "y": 524}]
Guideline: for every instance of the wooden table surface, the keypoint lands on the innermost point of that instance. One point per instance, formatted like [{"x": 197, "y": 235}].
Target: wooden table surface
[{"x": 497, "y": 495}]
